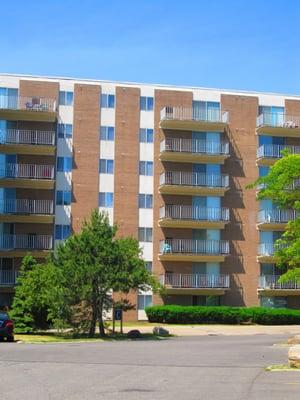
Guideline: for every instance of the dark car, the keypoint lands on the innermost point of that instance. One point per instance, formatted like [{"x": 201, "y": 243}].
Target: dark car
[{"x": 6, "y": 328}]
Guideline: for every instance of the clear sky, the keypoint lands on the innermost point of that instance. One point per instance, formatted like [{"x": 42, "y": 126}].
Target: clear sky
[{"x": 233, "y": 44}]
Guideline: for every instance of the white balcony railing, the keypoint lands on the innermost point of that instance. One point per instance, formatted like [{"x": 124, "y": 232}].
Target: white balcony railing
[
  {"x": 195, "y": 146},
  {"x": 276, "y": 216},
  {"x": 27, "y": 171},
  {"x": 275, "y": 150},
  {"x": 28, "y": 136},
  {"x": 194, "y": 114},
  {"x": 194, "y": 246},
  {"x": 272, "y": 282},
  {"x": 25, "y": 241},
  {"x": 278, "y": 120},
  {"x": 8, "y": 278},
  {"x": 28, "y": 103},
  {"x": 194, "y": 179},
  {"x": 197, "y": 213},
  {"x": 198, "y": 281},
  {"x": 26, "y": 206}
]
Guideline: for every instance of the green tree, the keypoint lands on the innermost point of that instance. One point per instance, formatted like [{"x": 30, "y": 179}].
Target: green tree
[{"x": 282, "y": 186}]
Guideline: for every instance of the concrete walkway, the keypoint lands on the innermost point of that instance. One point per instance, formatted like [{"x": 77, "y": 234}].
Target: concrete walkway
[{"x": 228, "y": 330}]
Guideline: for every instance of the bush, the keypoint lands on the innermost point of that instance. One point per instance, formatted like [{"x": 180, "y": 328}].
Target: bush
[{"x": 173, "y": 314}]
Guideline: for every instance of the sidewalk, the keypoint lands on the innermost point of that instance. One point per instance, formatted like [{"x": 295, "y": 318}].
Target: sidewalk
[{"x": 228, "y": 330}]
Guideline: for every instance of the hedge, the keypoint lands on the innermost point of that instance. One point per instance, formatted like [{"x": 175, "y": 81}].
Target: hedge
[{"x": 173, "y": 314}]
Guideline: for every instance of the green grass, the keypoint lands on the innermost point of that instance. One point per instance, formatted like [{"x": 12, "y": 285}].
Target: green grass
[{"x": 281, "y": 367}]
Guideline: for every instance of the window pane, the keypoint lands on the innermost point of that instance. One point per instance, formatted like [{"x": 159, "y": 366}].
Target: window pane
[
  {"x": 68, "y": 130},
  {"x": 141, "y": 302},
  {"x": 102, "y": 167},
  {"x": 103, "y": 100},
  {"x": 143, "y": 135},
  {"x": 148, "y": 266},
  {"x": 101, "y": 199},
  {"x": 69, "y": 100},
  {"x": 141, "y": 201},
  {"x": 149, "y": 103},
  {"x": 61, "y": 130},
  {"x": 110, "y": 166},
  {"x": 148, "y": 235},
  {"x": 150, "y": 135},
  {"x": 110, "y": 133},
  {"x": 59, "y": 197},
  {"x": 66, "y": 231},
  {"x": 60, "y": 163},
  {"x": 103, "y": 130},
  {"x": 149, "y": 168},
  {"x": 149, "y": 201},
  {"x": 111, "y": 101},
  {"x": 148, "y": 300},
  {"x": 58, "y": 232},
  {"x": 142, "y": 167},
  {"x": 62, "y": 98},
  {"x": 143, "y": 103},
  {"x": 141, "y": 234},
  {"x": 67, "y": 197},
  {"x": 68, "y": 164},
  {"x": 109, "y": 199}
]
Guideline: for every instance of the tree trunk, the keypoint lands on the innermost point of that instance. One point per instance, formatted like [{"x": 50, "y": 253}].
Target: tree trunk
[
  {"x": 101, "y": 322},
  {"x": 94, "y": 318}
]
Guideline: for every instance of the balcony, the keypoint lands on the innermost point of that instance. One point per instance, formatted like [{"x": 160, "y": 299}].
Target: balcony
[
  {"x": 8, "y": 278},
  {"x": 27, "y": 176},
  {"x": 193, "y": 250},
  {"x": 16, "y": 108},
  {"x": 266, "y": 252},
  {"x": 192, "y": 119},
  {"x": 21, "y": 244},
  {"x": 185, "y": 216},
  {"x": 269, "y": 285},
  {"x": 25, "y": 210},
  {"x": 193, "y": 151},
  {"x": 193, "y": 183},
  {"x": 268, "y": 154},
  {"x": 21, "y": 141},
  {"x": 275, "y": 219},
  {"x": 278, "y": 124},
  {"x": 195, "y": 284}
]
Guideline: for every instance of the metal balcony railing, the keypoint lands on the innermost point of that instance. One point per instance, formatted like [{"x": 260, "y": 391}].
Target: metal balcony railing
[
  {"x": 272, "y": 282},
  {"x": 27, "y": 171},
  {"x": 194, "y": 114},
  {"x": 26, "y": 206},
  {"x": 25, "y": 241},
  {"x": 278, "y": 120},
  {"x": 194, "y": 179},
  {"x": 276, "y": 216},
  {"x": 195, "y": 146},
  {"x": 8, "y": 278},
  {"x": 198, "y": 281},
  {"x": 275, "y": 150},
  {"x": 27, "y": 136},
  {"x": 194, "y": 246},
  {"x": 28, "y": 103},
  {"x": 197, "y": 213}
]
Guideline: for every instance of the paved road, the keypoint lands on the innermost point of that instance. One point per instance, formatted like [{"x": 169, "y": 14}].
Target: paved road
[{"x": 190, "y": 368}]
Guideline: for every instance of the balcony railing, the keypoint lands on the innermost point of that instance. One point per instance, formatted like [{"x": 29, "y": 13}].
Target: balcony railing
[
  {"x": 28, "y": 103},
  {"x": 197, "y": 281},
  {"x": 28, "y": 136},
  {"x": 275, "y": 150},
  {"x": 194, "y": 179},
  {"x": 278, "y": 120},
  {"x": 26, "y": 206},
  {"x": 27, "y": 171},
  {"x": 194, "y": 114},
  {"x": 195, "y": 146},
  {"x": 8, "y": 278},
  {"x": 194, "y": 246},
  {"x": 25, "y": 241},
  {"x": 183, "y": 212},
  {"x": 272, "y": 282},
  {"x": 276, "y": 216}
]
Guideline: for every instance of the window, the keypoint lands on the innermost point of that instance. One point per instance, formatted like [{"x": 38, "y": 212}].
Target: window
[
  {"x": 146, "y": 135},
  {"x": 146, "y": 168},
  {"x": 65, "y": 98},
  {"x": 106, "y": 166},
  {"x": 106, "y": 199},
  {"x": 64, "y": 164},
  {"x": 145, "y": 234},
  {"x": 206, "y": 110},
  {"x": 144, "y": 300},
  {"x": 148, "y": 266},
  {"x": 63, "y": 197},
  {"x": 145, "y": 200},
  {"x": 62, "y": 232},
  {"x": 107, "y": 100},
  {"x": 65, "y": 130},
  {"x": 146, "y": 103},
  {"x": 263, "y": 171},
  {"x": 107, "y": 133}
]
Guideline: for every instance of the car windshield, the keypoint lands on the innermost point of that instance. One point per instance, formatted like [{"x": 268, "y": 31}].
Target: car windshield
[{"x": 3, "y": 316}]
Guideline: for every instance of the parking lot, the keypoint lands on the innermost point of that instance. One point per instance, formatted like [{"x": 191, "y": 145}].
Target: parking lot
[{"x": 206, "y": 367}]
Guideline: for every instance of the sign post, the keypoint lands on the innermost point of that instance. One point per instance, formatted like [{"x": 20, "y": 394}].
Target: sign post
[{"x": 118, "y": 316}]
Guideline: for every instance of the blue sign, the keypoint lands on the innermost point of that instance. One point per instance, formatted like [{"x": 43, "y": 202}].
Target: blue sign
[{"x": 118, "y": 315}]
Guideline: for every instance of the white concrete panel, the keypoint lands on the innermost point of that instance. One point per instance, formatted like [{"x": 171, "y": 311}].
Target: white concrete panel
[
  {"x": 147, "y": 91},
  {"x": 146, "y": 217},
  {"x": 65, "y": 114},
  {"x": 108, "y": 87},
  {"x": 206, "y": 95},
  {"x": 66, "y": 86},
  {"x": 107, "y": 149},
  {"x": 146, "y": 184},
  {"x": 107, "y": 117},
  {"x": 63, "y": 180},
  {"x": 64, "y": 147},
  {"x": 106, "y": 183},
  {"x": 63, "y": 215},
  {"x": 110, "y": 212},
  {"x": 269, "y": 100},
  {"x": 146, "y": 152},
  {"x": 147, "y": 248},
  {"x": 146, "y": 119},
  {"x": 8, "y": 81}
]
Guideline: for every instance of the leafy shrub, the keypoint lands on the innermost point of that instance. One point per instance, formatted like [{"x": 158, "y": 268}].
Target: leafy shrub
[{"x": 174, "y": 314}]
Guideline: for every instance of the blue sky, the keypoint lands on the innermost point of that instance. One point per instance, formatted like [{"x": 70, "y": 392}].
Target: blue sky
[{"x": 250, "y": 45}]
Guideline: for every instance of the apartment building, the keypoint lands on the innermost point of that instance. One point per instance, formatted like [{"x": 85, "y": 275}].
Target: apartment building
[{"x": 168, "y": 164}]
